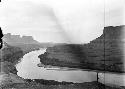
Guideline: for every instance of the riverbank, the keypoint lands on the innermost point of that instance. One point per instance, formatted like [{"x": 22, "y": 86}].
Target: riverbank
[
  {"x": 36, "y": 85},
  {"x": 12, "y": 81},
  {"x": 59, "y": 68}
]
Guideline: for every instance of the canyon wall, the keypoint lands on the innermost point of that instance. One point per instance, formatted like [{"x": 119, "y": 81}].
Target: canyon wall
[{"x": 103, "y": 53}]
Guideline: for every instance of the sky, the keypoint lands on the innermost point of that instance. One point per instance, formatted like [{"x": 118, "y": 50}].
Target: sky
[{"x": 61, "y": 21}]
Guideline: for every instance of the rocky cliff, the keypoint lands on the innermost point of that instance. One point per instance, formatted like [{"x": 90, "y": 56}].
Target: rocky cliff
[
  {"x": 104, "y": 53},
  {"x": 17, "y": 39}
]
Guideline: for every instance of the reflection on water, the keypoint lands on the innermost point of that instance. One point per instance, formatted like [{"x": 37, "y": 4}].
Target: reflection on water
[{"x": 28, "y": 69}]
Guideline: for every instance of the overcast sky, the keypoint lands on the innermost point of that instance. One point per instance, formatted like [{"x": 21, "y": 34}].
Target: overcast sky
[{"x": 71, "y": 21}]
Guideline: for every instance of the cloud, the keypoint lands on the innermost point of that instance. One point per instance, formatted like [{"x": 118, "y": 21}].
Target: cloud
[{"x": 27, "y": 17}]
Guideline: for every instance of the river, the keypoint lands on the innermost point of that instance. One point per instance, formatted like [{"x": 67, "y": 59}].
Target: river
[{"x": 28, "y": 69}]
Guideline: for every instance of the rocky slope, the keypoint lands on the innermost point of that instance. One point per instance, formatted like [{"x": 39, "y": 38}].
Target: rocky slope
[
  {"x": 104, "y": 53},
  {"x": 10, "y": 55}
]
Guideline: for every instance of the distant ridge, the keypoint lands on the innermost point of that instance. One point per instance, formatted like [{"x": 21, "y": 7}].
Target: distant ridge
[{"x": 14, "y": 39}]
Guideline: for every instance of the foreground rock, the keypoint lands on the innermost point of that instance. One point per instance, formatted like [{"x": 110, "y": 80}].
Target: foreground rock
[
  {"x": 33, "y": 85},
  {"x": 9, "y": 78}
]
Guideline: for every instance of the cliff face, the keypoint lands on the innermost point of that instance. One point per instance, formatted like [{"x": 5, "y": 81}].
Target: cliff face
[
  {"x": 109, "y": 46},
  {"x": 103, "y": 53}
]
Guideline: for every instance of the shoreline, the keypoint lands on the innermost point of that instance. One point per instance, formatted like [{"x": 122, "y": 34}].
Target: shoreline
[{"x": 76, "y": 69}]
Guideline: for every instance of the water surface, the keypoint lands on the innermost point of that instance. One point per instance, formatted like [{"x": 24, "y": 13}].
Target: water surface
[{"x": 28, "y": 69}]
